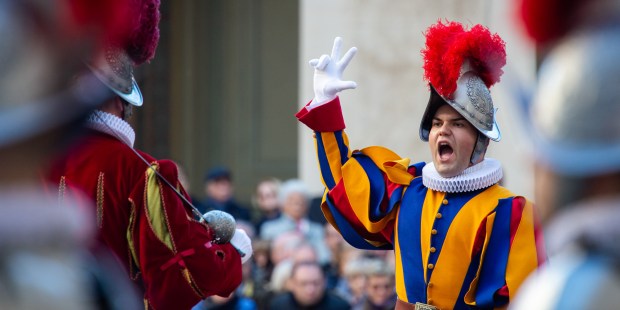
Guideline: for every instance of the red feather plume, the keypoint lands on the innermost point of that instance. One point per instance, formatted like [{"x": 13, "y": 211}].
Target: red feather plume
[
  {"x": 144, "y": 35},
  {"x": 548, "y": 20},
  {"x": 449, "y": 45},
  {"x": 132, "y": 25}
]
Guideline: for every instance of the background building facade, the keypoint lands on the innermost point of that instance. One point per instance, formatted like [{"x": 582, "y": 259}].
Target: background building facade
[{"x": 229, "y": 76}]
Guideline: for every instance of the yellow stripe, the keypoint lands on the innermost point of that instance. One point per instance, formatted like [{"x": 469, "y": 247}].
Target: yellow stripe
[
  {"x": 129, "y": 236},
  {"x": 523, "y": 257},
  {"x": 154, "y": 207},
  {"x": 455, "y": 255},
  {"x": 432, "y": 201},
  {"x": 401, "y": 291},
  {"x": 332, "y": 152},
  {"x": 318, "y": 162},
  {"x": 357, "y": 187}
]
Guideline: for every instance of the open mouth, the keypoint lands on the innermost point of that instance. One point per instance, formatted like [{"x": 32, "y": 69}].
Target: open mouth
[{"x": 445, "y": 151}]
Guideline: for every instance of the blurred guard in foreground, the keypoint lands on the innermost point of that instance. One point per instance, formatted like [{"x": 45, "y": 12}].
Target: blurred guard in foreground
[
  {"x": 141, "y": 210},
  {"x": 576, "y": 136},
  {"x": 46, "y": 260}
]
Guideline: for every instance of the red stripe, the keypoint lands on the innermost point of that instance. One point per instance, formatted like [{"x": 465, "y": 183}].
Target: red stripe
[
  {"x": 324, "y": 118},
  {"x": 391, "y": 187},
  {"x": 340, "y": 199},
  {"x": 518, "y": 203},
  {"x": 480, "y": 236}
]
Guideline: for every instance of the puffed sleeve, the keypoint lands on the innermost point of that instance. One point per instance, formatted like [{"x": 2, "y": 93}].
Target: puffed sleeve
[
  {"x": 173, "y": 251},
  {"x": 363, "y": 188}
]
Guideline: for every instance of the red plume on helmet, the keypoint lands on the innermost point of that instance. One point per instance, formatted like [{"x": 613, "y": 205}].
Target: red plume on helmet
[
  {"x": 449, "y": 45},
  {"x": 144, "y": 33},
  {"x": 548, "y": 20}
]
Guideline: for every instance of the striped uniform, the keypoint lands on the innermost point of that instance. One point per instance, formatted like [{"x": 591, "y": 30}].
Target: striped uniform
[{"x": 453, "y": 250}]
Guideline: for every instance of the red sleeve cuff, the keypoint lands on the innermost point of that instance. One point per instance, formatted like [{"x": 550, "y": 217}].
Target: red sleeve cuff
[{"x": 324, "y": 118}]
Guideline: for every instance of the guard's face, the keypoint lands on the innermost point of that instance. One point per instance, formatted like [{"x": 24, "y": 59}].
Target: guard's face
[{"x": 451, "y": 140}]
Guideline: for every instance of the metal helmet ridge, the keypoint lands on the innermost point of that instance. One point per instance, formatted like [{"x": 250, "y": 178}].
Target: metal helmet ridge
[
  {"x": 575, "y": 111},
  {"x": 115, "y": 67},
  {"x": 460, "y": 66}
]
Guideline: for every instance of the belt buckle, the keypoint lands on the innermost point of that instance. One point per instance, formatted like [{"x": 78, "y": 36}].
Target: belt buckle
[{"x": 422, "y": 306}]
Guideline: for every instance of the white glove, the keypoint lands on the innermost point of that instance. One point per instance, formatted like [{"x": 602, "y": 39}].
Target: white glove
[
  {"x": 328, "y": 73},
  {"x": 243, "y": 244}
]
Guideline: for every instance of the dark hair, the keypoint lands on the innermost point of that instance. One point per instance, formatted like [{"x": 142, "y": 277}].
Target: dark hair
[
  {"x": 304, "y": 264},
  {"x": 218, "y": 173}
]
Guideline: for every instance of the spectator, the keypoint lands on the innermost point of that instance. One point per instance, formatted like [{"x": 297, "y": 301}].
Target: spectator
[
  {"x": 380, "y": 292},
  {"x": 232, "y": 302},
  {"x": 219, "y": 192},
  {"x": 335, "y": 244},
  {"x": 261, "y": 272},
  {"x": 308, "y": 291},
  {"x": 282, "y": 246},
  {"x": 294, "y": 201},
  {"x": 352, "y": 284},
  {"x": 266, "y": 201},
  {"x": 302, "y": 252}
]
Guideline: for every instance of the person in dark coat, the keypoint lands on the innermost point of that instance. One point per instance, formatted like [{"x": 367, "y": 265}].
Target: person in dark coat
[
  {"x": 220, "y": 194},
  {"x": 308, "y": 290}
]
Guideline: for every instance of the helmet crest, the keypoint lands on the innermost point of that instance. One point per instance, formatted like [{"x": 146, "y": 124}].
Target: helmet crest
[{"x": 449, "y": 46}]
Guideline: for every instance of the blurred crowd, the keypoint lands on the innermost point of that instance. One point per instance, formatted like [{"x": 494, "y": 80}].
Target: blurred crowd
[{"x": 300, "y": 261}]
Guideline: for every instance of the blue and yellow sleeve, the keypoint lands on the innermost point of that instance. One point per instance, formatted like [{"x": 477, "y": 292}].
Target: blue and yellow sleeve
[{"x": 363, "y": 188}]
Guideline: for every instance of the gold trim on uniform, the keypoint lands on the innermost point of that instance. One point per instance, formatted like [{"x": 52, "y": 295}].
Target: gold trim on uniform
[
  {"x": 62, "y": 186},
  {"x": 100, "y": 200},
  {"x": 133, "y": 258}
]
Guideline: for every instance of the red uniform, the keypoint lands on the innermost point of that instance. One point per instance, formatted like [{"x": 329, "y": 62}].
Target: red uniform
[{"x": 147, "y": 225}]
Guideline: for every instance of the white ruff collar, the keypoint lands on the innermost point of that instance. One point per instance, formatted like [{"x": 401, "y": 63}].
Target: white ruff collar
[
  {"x": 112, "y": 125},
  {"x": 481, "y": 175}
]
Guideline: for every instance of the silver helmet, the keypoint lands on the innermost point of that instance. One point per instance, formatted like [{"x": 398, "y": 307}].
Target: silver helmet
[
  {"x": 115, "y": 69},
  {"x": 472, "y": 99},
  {"x": 460, "y": 66},
  {"x": 575, "y": 110}
]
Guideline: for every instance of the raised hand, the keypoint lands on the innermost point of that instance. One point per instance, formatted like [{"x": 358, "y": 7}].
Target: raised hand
[{"x": 328, "y": 74}]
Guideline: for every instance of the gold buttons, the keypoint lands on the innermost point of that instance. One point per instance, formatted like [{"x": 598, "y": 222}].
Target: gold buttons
[
  {"x": 433, "y": 249},
  {"x": 430, "y": 301},
  {"x": 445, "y": 201},
  {"x": 430, "y": 284},
  {"x": 431, "y": 266},
  {"x": 438, "y": 215},
  {"x": 434, "y": 232}
]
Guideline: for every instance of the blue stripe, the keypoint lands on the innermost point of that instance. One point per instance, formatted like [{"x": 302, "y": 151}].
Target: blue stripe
[
  {"x": 396, "y": 196},
  {"x": 418, "y": 168},
  {"x": 344, "y": 149},
  {"x": 493, "y": 271},
  {"x": 469, "y": 277},
  {"x": 326, "y": 172},
  {"x": 377, "y": 188},
  {"x": 409, "y": 219},
  {"x": 349, "y": 233}
]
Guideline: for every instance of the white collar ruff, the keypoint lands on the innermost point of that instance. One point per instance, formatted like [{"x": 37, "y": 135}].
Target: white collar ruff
[
  {"x": 481, "y": 175},
  {"x": 112, "y": 125}
]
